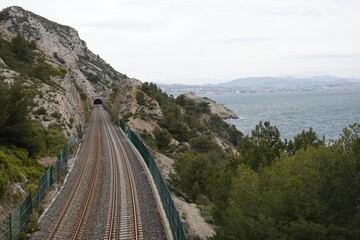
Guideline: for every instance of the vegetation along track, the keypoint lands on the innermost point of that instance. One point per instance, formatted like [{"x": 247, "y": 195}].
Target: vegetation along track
[{"x": 125, "y": 201}]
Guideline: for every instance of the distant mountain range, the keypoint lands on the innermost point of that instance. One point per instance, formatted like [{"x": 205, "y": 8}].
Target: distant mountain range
[{"x": 274, "y": 82}]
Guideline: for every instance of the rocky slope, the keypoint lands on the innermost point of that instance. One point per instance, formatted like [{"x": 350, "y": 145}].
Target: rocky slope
[
  {"x": 216, "y": 108},
  {"x": 126, "y": 104},
  {"x": 85, "y": 76},
  {"x": 63, "y": 49}
]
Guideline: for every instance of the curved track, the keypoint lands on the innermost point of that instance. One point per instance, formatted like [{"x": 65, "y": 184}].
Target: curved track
[
  {"x": 83, "y": 214},
  {"x": 123, "y": 219},
  {"x": 129, "y": 226}
]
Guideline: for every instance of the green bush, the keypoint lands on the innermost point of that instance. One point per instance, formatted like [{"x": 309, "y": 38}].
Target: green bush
[
  {"x": 14, "y": 163},
  {"x": 203, "y": 144},
  {"x": 33, "y": 225},
  {"x": 206, "y": 212},
  {"x": 56, "y": 115},
  {"x": 19, "y": 55},
  {"x": 55, "y": 140},
  {"x": 40, "y": 111},
  {"x": 2, "y": 16},
  {"x": 83, "y": 96},
  {"x": 92, "y": 77},
  {"x": 126, "y": 116},
  {"x": 3, "y": 186},
  {"x": 22, "y": 48},
  {"x": 43, "y": 71},
  {"x": 140, "y": 98},
  {"x": 162, "y": 138},
  {"x": 194, "y": 171}
]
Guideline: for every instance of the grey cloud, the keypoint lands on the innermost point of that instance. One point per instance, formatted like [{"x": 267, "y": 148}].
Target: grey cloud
[
  {"x": 293, "y": 12},
  {"x": 289, "y": 10},
  {"x": 125, "y": 25},
  {"x": 242, "y": 40},
  {"x": 326, "y": 56}
]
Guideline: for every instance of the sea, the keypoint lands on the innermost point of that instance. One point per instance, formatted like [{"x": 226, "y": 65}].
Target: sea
[{"x": 327, "y": 112}]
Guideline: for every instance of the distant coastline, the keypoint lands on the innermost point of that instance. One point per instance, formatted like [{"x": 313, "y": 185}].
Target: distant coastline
[
  {"x": 202, "y": 91},
  {"x": 267, "y": 84}
]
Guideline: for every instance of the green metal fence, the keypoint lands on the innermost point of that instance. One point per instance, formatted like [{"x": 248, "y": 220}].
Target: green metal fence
[
  {"x": 13, "y": 224},
  {"x": 122, "y": 125},
  {"x": 168, "y": 204}
]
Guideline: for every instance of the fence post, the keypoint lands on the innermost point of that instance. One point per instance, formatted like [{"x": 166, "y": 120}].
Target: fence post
[
  {"x": 31, "y": 205},
  {"x": 79, "y": 131},
  {"x": 51, "y": 175},
  {"x": 38, "y": 194},
  {"x": 58, "y": 164},
  {"x": 10, "y": 228}
]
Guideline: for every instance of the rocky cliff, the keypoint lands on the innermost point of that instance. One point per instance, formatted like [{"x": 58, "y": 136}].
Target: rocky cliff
[
  {"x": 216, "y": 108},
  {"x": 61, "y": 47},
  {"x": 65, "y": 77}
]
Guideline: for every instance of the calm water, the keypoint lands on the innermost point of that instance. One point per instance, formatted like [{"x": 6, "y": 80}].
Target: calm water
[{"x": 326, "y": 112}]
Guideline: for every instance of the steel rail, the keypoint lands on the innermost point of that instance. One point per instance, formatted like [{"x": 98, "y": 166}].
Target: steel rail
[
  {"x": 78, "y": 180},
  {"x": 112, "y": 221},
  {"x": 131, "y": 181},
  {"x": 77, "y": 234}
]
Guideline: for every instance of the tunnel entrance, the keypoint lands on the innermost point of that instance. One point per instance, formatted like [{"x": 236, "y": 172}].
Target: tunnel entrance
[{"x": 97, "y": 101}]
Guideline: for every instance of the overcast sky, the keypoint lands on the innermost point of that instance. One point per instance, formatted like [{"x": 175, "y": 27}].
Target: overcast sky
[{"x": 211, "y": 41}]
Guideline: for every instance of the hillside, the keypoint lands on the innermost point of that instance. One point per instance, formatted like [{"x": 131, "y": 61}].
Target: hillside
[
  {"x": 254, "y": 82},
  {"x": 48, "y": 79},
  {"x": 256, "y": 186},
  {"x": 60, "y": 77},
  {"x": 215, "y": 108},
  {"x": 186, "y": 127},
  {"x": 267, "y": 84},
  {"x": 146, "y": 108},
  {"x": 83, "y": 72}
]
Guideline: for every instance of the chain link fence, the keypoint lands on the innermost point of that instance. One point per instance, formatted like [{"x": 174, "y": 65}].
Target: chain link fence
[
  {"x": 171, "y": 212},
  {"x": 15, "y": 222}
]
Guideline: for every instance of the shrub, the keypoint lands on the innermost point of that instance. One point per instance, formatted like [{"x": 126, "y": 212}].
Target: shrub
[
  {"x": 63, "y": 72},
  {"x": 201, "y": 199},
  {"x": 40, "y": 111},
  {"x": 126, "y": 116},
  {"x": 43, "y": 71},
  {"x": 206, "y": 212},
  {"x": 203, "y": 144},
  {"x": 21, "y": 47},
  {"x": 2, "y": 16},
  {"x": 3, "y": 186},
  {"x": 55, "y": 140},
  {"x": 162, "y": 138},
  {"x": 140, "y": 98},
  {"x": 83, "y": 96},
  {"x": 56, "y": 115},
  {"x": 33, "y": 225}
]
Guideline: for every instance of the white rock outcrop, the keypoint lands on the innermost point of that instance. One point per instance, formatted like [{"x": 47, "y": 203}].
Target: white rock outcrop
[{"x": 215, "y": 108}]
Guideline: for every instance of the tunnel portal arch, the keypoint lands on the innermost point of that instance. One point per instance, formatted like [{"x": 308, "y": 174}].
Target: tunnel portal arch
[{"x": 98, "y": 101}]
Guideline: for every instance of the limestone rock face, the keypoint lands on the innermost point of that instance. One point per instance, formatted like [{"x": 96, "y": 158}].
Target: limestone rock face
[
  {"x": 64, "y": 45},
  {"x": 52, "y": 37},
  {"x": 126, "y": 102},
  {"x": 62, "y": 48},
  {"x": 215, "y": 108}
]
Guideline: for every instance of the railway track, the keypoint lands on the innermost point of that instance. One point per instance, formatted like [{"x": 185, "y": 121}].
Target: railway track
[
  {"x": 129, "y": 224},
  {"x": 83, "y": 215},
  {"x": 113, "y": 211},
  {"x": 123, "y": 219}
]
